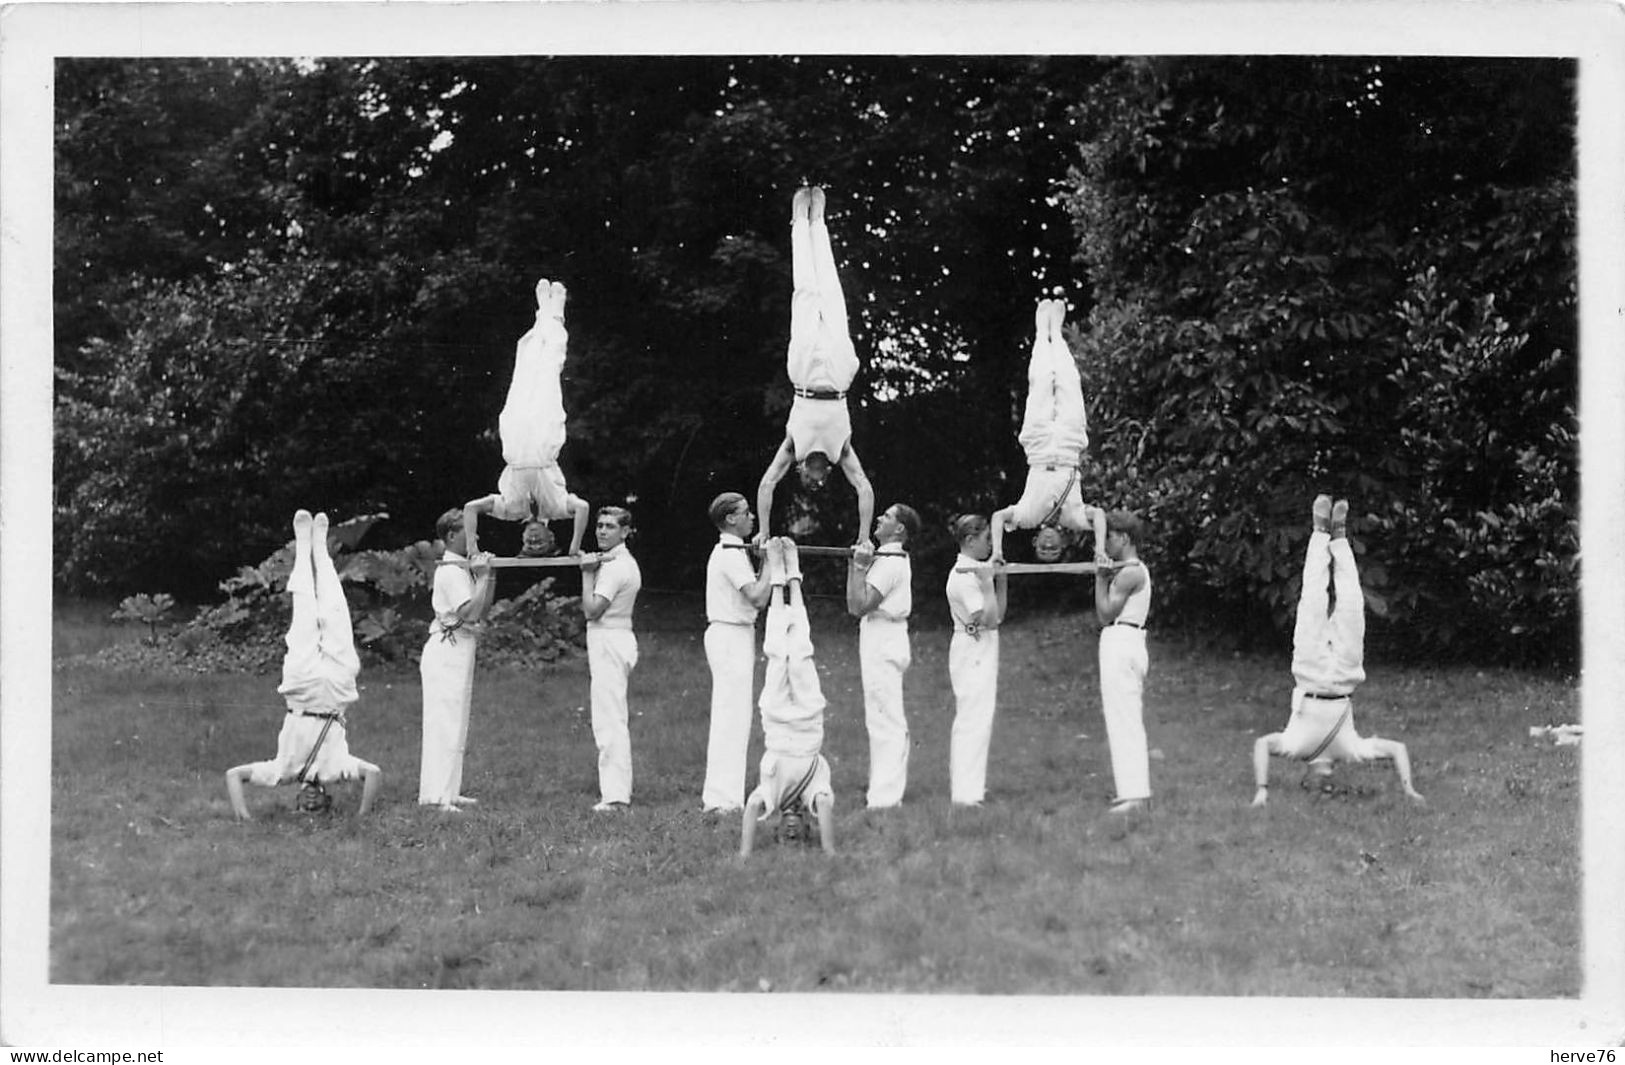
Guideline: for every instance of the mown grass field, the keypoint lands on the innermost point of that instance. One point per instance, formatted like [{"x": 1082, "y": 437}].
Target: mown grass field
[{"x": 1354, "y": 892}]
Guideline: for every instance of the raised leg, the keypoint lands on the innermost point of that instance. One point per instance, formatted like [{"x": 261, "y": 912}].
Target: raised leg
[
  {"x": 828, "y": 277},
  {"x": 1070, "y": 414},
  {"x": 803, "y": 274},
  {"x": 1308, "y": 634},
  {"x": 1038, "y": 416},
  {"x": 300, "y": 661},
  {"x": 337, "y": 636},
  {"x": 1346, "y": 626}
]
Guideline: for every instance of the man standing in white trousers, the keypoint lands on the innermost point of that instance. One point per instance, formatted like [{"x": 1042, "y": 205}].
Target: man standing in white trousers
[
  {"x": 977, "y": 599},
  {"x": 460, "y": 598},
  {"x": 879, "y": 591},
  {"x": 734, "y": 594},
  {"x": 610, "y": 581},
  {"x": 1122, "y": 601}
]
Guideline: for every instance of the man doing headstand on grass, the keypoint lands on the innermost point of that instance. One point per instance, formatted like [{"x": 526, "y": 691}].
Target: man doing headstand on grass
[
  {"x": 821, "y": 362},
  {"x": 1328, "y": 663},
  {"x": 531, "y": 487},
  {"x": 1054, "y": 434},
  {"x": 318, "y": 681},
  {"x": 794, "y": 775}
]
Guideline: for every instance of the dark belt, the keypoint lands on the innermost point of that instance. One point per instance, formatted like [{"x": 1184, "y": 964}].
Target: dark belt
[
  {"x": 326, "y": 717},
  {"x": 1131, "y": 624},
  {"x": 819, "y": 393},
  {"x": 1325, "y": 696}
]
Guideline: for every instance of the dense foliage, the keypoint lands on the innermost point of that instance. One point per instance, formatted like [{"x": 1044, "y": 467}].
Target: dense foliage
[
  {"x": 1349, "y": 276},
  {"x": 299, "y": 283},
  {"x": 388, "y": 594}
]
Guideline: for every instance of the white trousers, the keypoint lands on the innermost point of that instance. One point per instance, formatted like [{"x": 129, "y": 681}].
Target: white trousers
[
  {"x": 820, "y": 354},
  {"x": 320, "y": 666},
  {"x": 447, "y": 671},
  {"x": 1123, "y": 665},
  {"x": 973, "y": 668},
  {"x": 532, "y": 422},
  {"x": 731, "y": 652},
  {"x": 792, "y": 700},
  {"x": 883, "y": 652},
  {"x": 1054, "y": 423},
  {"x": 611, "y": 654},
  {"x": 1328, "y": 641}
]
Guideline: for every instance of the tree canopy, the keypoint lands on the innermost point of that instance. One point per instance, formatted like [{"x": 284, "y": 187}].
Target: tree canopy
[{"x": 299, "y": 283}]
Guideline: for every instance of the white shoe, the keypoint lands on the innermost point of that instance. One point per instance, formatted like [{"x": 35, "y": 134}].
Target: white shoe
[{"x": 611, "y": 807}]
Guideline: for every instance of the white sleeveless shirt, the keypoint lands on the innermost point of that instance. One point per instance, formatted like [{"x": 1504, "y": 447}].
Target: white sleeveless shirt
[{"x": 1138, "y": 605}]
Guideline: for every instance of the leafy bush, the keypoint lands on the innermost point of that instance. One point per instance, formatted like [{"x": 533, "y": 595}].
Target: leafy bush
[
  {"x": 1341, "y": 286},
  {"x": 534, "y": 627},
  {"x": 388, "y": 593},
  {"x": 150, "y": 610}
]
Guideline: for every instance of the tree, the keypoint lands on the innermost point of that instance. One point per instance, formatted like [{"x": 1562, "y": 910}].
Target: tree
[
  {"x": 1342, "y": 275},
  {"x": 391, "y": 217}
]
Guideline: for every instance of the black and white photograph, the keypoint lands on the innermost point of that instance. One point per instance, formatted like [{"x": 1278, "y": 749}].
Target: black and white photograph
[{"x": 905, "y": 523}]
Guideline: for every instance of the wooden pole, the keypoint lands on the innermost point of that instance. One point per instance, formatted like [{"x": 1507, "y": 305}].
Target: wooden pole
[
  {"x": 514, "y": 563},
  {"x": 1039, "y": 567},
  {"x": 807, "y": 550}
]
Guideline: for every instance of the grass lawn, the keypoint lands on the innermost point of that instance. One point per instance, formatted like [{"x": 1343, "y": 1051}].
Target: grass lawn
[{"x": 1351, "y": 892}]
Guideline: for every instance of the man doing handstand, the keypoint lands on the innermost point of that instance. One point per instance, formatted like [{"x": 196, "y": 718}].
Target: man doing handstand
[
  {"x": 821, "y": 362},
  {"x": 1054, "y": 434},
  {"x": 531, "y": 487},
  {"x": 1328, "y": 663}
]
